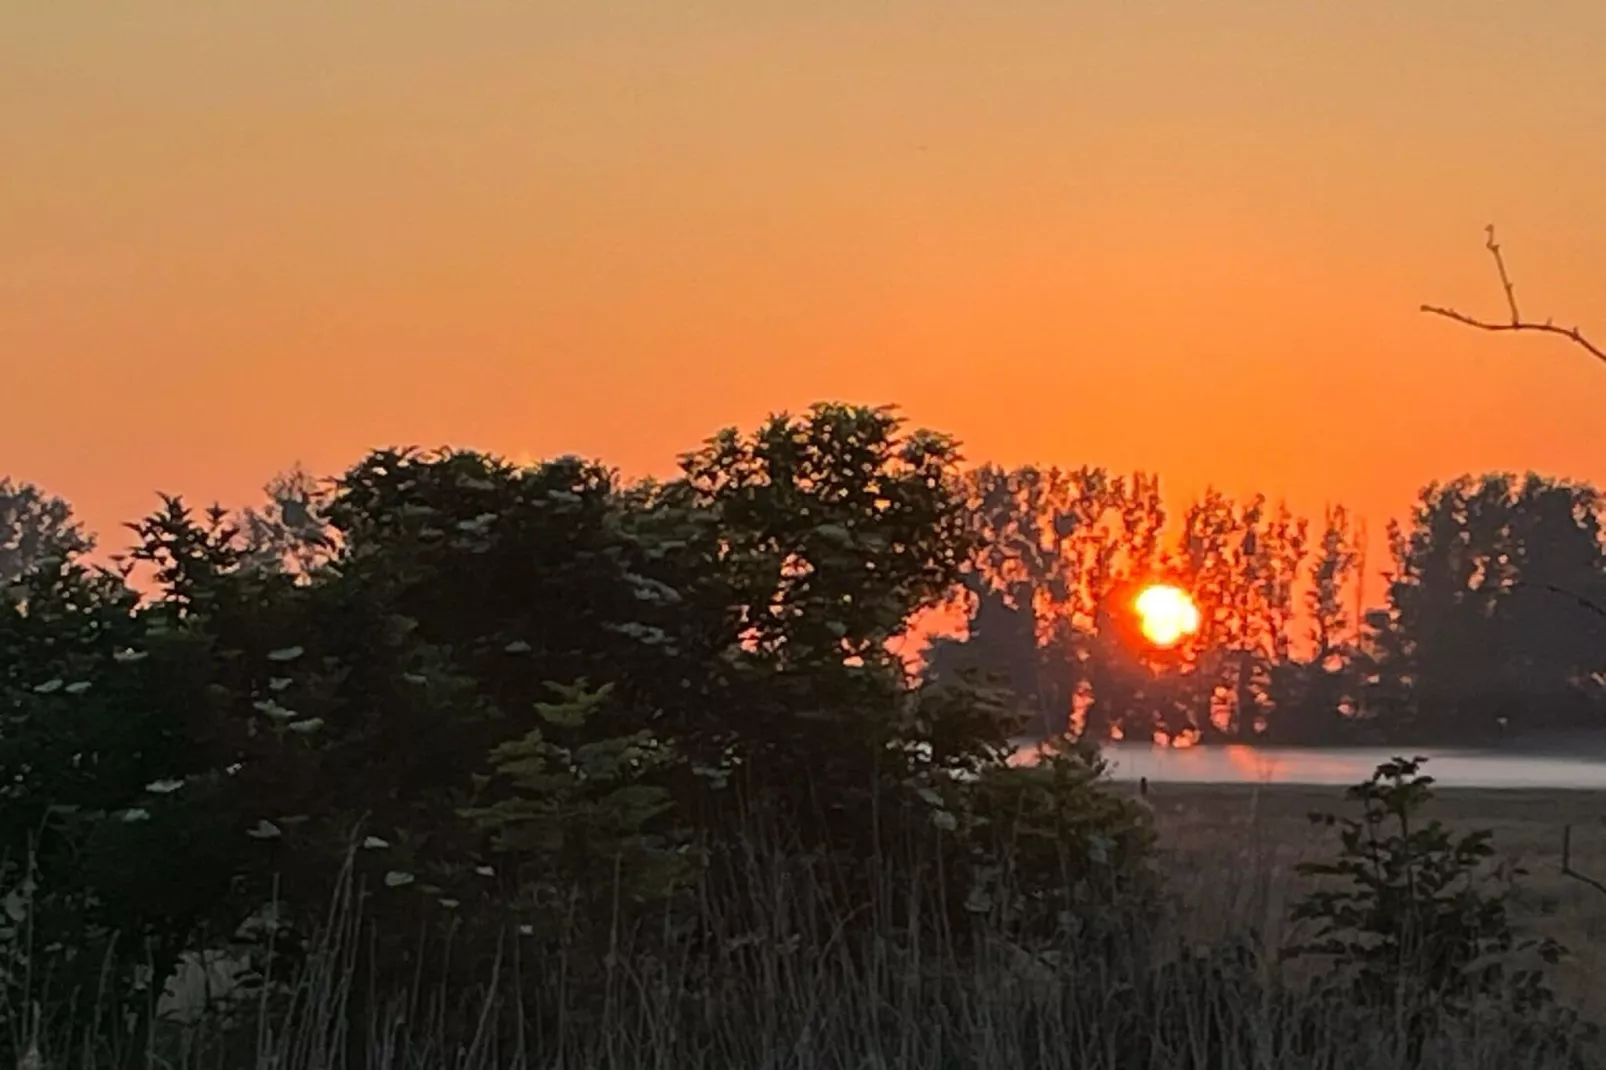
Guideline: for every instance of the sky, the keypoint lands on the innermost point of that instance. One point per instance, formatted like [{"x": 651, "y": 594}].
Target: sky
[{"x": 1183, "y": 237}]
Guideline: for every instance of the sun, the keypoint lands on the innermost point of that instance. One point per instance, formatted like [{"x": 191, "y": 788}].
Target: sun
[{"x": 1166, "y": 614}]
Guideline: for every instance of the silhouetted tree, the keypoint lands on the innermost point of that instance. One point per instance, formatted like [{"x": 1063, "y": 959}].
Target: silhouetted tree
[
  {"x": 1483, "y": 630},
  {"x": 35, "y": 526},
  {"x": 289, "y": 531},
  {"x": 1317, "y": 699},
  {"x": 1052, "y": 545}
]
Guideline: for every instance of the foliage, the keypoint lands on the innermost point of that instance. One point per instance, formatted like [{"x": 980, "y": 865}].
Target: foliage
[
  {"x": 118, "y": 845},
  {"x": 1048, "y": 596},
  {"x": 476, "y": 691},
  {"x": 35, "y": 527},
  {"x": 831, "y": 531},
  {"x": 289, "y": 531},
  {"x": 1050, "y": 852},
  {"x": 1489, "y": 621},
  {"x": 483, "y": 701},
  {"x": 580, "y": 827},
  {"x": 1414, "y": 921}
]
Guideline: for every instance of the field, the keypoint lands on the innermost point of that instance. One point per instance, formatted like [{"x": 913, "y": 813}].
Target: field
[
  {"x": 806, "y": 1001},
  {"x": 1233, "y": 849}
]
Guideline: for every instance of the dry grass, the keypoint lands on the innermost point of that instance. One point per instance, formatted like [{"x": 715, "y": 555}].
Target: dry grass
[
  {"x": 798, "y": 996},
  {"x": 1232, "y": 851}
]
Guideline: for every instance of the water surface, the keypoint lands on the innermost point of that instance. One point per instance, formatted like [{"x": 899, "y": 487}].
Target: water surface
[{"x": 1239, "y": 764}]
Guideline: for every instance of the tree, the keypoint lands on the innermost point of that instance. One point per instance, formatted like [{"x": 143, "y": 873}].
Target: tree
[
  {"x": 289, "y": 530},
  {"x": 495, "y": 688},
  {"x": 1318, "y": 698},
  {"x": 1483, "y": 631},
  {"x": 832, "y": 530},
  {"x": 1052, "y": 547},
  {"x": 118, "y": 843},
  {"x": 34, "y": 527}
]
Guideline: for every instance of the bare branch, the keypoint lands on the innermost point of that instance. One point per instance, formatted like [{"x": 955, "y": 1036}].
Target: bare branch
[
  {"x": 1567, "y": 869},
  {"x": 1505, "y": 280},
  {"x": 1516, "y": 323}
]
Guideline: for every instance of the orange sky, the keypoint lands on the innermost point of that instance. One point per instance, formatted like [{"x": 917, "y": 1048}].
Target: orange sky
[{"x": 1189, "y": 237}]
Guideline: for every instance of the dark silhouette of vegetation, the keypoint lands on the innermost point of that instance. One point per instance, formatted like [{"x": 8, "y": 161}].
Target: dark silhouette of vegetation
[
  {"x": 1417, "y": 923},
  {"x": 34, "y": 527},
  {"x": 464, "y": 762},
  {"x": 1487, "y": 629}
]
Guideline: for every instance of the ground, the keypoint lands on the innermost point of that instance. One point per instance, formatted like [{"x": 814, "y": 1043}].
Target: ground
[{"x": 1233, "y": 850}]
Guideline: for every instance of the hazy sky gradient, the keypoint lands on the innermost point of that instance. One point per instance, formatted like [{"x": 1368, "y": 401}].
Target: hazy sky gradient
[{"x": 1188, "y": 237}]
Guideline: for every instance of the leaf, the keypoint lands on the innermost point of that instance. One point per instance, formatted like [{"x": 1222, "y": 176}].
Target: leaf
[
  {"x": 485, "y": 871},
  {"x": 563, "y": 714},
  {"x": 129, "y": 656},
  {"x": 306, "y": 727},
  {"x": 289, "y": 653},
  {"x": 49, "y": 687},
  {"x": 374, "y": 843},
  {"x": 944, "y": 820},
  {"x": 397, "y": 879},
  {"x": 78, "y": 687},
  {"x": 835, "y": 534},
  {"x": 164, "y": 787},
  {"x": 415, "y": 678},
  {"x": 273, "y": 709},
  {"x": 279, "y": 683},
  {"x": 518, "y": 646},
  {"x": 135, "y": 814},
  {"x": 264, "y": 830}
]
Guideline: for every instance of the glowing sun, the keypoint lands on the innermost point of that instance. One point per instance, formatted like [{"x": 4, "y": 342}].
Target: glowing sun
[{"x": 1166, "y": 614}]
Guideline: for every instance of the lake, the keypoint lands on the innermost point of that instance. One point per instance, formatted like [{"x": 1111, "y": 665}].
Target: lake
[{"x": 1239, "y": 764}]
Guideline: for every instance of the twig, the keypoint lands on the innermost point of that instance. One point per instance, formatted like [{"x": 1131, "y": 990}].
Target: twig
[
  {"x": 1593, "y": 607},
  {"x": 1517, "y": 323},
  {"x": 1567, "y": 869}
]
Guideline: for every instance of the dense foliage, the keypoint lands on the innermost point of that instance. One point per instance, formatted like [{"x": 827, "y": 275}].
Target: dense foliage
[
  {"x": 498, "y": 696},
  {"x": 443, "y": 702}
]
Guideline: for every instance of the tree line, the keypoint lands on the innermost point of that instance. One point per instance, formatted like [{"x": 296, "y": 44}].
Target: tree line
[
  {"x": 1491, "y": 622},
  {"x": 1490, "y": 625}
]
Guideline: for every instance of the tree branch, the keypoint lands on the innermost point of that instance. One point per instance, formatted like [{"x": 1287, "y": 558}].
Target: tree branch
[{"x": 1516, "y": 323}]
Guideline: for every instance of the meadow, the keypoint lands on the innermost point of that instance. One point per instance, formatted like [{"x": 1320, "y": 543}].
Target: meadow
[
  {"x": 1232, "y": 852},
  {"x": 1205, "y": 990}
]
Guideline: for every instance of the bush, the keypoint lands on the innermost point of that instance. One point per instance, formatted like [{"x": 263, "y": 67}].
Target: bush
[
  {"x": 1417, "y": 924},
  {"x": 1050, "y": 852}
]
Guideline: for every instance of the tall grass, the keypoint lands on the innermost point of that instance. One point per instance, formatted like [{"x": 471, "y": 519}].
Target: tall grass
[{"x": 779, "y": 961}]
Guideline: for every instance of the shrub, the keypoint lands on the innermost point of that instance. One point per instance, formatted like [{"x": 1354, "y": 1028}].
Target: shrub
[
  {"x": 1418, "y": 924},
  {"x": 1051, "y": 852}
]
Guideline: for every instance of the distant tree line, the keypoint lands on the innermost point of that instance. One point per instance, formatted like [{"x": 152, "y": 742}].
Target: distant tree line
[{"x": 1491, "y": 623}]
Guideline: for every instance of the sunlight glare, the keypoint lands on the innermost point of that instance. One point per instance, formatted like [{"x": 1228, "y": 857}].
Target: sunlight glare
[{"x": 1166, "y": 614}]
